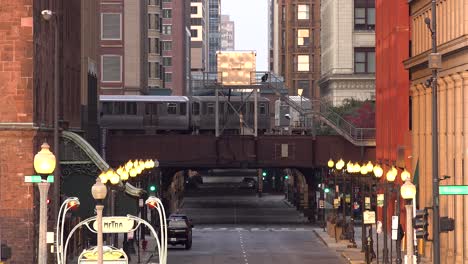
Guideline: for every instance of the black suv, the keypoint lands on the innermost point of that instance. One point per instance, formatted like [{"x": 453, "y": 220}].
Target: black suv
[{"x": 179, "y": 230}]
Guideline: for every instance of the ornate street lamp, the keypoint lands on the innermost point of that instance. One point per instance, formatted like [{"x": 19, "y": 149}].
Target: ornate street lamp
[
  {"x": 44, "y": 164},
  {"x": 408, "y": 192},
  {"x": 330, "y": 164},
  {"x": 378, "y": 171},
  {"x": 99, "y": 192}
]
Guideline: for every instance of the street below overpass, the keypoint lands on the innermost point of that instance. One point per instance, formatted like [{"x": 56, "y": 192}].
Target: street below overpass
[{"x": 235, "y": 226}]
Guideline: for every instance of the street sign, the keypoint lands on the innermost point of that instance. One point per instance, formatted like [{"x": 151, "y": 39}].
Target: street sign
[
  {"x": 115, "y": 224},
  {"x": 37, "y": 179},
  {"x": 380, "y": 200},
  {"x": 321, "y": 204},
  {"x": 367, "y": 203},
  {"x": 369, "y": 217},
  {"x": 336, "y": 203},
  {"x": 453, "y": 189}
]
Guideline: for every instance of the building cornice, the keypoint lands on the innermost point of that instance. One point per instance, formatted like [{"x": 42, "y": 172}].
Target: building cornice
[{"x": 459, "y": 43}]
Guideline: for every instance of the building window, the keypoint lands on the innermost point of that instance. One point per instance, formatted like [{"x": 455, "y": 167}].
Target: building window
[
  {"x": 111, "y": 25},
  {"x": 167, "y": 45},
  {"x": 194, "y": 33},
  {"x": 364, "y": 60},
  {"x": 167, "y": 29},
  {"x": 262, "y": 108},
  {"x": 111, "y": 68},
  {"x": 167, "y": 61},
  {"x": 364, "y": 14},
  {"x": 193, "y": 10},
  {"x": 302, "y": 62},
  {"x": 283, "y": 13},
  {"x": 153, "y": 21},
  {"x": 303, "y": 37},
  {"x": 168, "y": 77},
  {"x": 302, "y": 11},
  {"x": 153, "y": 45},
  {"x": 167, "y": 1},
  {"x": 167, "y": 13},
  {"x": 154, "y": 70},
  {"x": 153, "y": 2}
]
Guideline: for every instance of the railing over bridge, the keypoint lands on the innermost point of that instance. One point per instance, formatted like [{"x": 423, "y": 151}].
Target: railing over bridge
[{"x": 210, "y": 81}]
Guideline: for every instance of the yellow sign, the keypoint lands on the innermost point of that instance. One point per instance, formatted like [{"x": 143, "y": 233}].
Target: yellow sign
[{"x": 115, "y": 224}]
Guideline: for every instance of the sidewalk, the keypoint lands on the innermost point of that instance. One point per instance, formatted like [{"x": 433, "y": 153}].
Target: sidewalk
[{"x": 354, "y": 255}]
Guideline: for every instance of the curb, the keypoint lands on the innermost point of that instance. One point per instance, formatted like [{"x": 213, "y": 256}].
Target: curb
[{"x": 321, "y": 239}]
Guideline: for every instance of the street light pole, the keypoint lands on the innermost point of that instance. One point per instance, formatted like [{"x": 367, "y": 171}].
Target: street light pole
[
  {"x": 408, "y": 192},
  {"x": 44, "y": 164},
  {"x": 435, "y": 144},
  {"x": 43, "y": 191},
  {"x": 99, "y": 192}
]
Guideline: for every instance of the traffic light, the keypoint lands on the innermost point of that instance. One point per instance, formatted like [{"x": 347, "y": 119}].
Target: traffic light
[
  {"x": 326, "y": 190},
  {"x": 421, "y": 223},
  {"x": 286, "y": 177},
  {"x": 152, "y": 187},
  {"x": 264, "y": 174},
  {"x": 447, "y": 224}
]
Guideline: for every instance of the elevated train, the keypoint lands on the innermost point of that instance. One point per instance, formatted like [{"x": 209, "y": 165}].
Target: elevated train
[{"x": 179, "y": 114}]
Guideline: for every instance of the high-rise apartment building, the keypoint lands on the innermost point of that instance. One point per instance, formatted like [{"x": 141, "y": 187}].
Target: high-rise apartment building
[
  {"x": 199, "y": 35},
  {"x": 348, "y": 50},
  {"x": 273, "y": 50},
  {"x": 122, "y": 56},
  {"x": 214, "y": 36},
  {"x": 297, "y": 25},
  {"x": 154, "y": 70},
  {"x": 227, "y": 33},
  {"x": 176, "y": 45}
]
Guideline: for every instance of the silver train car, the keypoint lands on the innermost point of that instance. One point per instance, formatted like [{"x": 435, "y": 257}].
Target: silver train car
[
  {"x": 203, "y": 113},
  {"x": 180, "y": 115},
  {"x": 134, "y": 112}
]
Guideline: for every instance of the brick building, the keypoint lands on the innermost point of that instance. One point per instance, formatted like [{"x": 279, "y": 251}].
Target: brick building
[
  {"x": 26, "y": 104},
  {"x": 295, "y": 44}
]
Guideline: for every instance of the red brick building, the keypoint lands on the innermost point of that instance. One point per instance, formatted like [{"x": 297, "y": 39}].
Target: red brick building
[
  {"x": 26, "y": 105},
  {"x": 393, "y": 138}
]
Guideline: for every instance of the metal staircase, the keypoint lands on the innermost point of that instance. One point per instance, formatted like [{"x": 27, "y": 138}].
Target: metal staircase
[{"x": 320, "y": 110}]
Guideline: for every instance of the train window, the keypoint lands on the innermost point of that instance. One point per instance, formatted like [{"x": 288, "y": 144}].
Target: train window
[
  {"x": 131, "y": 108},
  {"x": 119, "y": 108},
  {"x": 151, "y": 108},
  {"x": 171, "y": 109},
  {"x": 262, "y": 108},
  {"x": 183, "y": 108},
  {"x": 196, "y": 108},
  {"x": 107, "y": 108},
  {"x": 210, "y": 108}
]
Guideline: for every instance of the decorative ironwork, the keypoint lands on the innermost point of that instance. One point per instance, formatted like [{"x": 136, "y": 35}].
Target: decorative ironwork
[{"x": 79, "y": 169}]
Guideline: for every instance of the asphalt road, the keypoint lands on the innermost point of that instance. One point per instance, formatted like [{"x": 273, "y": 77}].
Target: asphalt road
[{"x": 237, "y": 227}]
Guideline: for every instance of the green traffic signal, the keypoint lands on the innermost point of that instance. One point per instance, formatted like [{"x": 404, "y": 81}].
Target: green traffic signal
[
  {"x": 286, "y": 177},
  {"x": 264, "y": 173},
  {"x": 152, "y": 188},
  {"x": 326, "y": 190}
]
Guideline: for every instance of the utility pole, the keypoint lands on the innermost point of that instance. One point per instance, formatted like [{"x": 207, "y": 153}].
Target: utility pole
[{"x": 434, "y": 63}]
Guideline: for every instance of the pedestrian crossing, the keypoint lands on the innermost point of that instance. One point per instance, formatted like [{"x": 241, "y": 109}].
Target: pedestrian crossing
[{"x": 252, "y": 229}]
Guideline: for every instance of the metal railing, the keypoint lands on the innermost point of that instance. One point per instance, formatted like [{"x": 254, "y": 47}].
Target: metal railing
[{"x": 357, "y": 136}]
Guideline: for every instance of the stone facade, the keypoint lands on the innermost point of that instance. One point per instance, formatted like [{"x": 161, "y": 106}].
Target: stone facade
[
  {"x": 338, "y": 41},
  {"x": 452, "y": 112}
]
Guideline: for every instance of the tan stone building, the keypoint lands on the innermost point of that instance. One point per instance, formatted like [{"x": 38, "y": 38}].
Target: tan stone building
[{"x": 452, "y": 27}]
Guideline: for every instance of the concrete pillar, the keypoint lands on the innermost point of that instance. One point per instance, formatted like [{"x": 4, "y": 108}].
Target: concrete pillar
[{"x": 458, "y": 177}]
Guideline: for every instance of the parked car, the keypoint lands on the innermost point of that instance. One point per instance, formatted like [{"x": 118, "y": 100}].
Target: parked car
[
  {"x": 179, "y": 230},
  {"x": 248, "y": 183}
]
